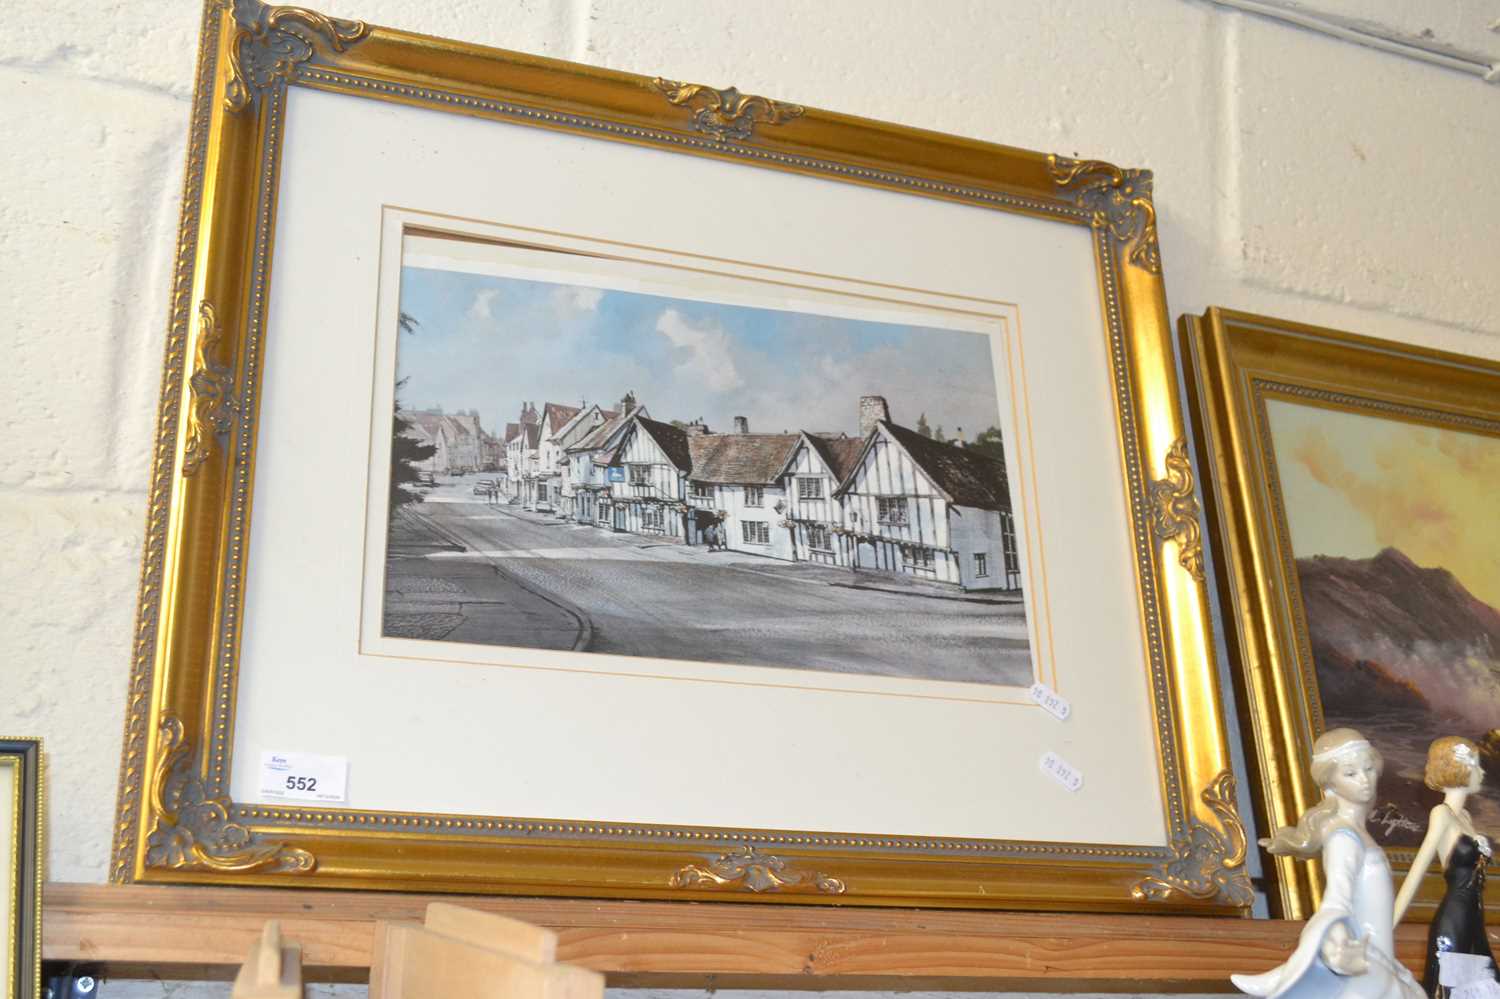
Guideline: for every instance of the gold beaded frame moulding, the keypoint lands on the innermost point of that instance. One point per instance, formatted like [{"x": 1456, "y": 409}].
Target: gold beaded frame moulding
[{"x": 176, "y": 821}]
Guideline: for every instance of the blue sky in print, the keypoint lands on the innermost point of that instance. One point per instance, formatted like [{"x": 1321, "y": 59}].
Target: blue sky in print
[{"x": 488, "y": 343}]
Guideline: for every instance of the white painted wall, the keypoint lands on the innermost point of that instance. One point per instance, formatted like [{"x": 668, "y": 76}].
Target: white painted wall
[{"x": 1295, "y": 175}]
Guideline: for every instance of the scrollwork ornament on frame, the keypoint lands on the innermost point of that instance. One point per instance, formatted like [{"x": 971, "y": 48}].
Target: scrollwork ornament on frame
[
  {"x": 726, "y": 115},
  {"x": 1207, "y": 862},
  {"x": 1174, "y": 509},
  {"x": 749, "y": 869},
  {"x": 211, "y": 414},
  {"x": 1120, "y": 201},
  {"x": 271, "y": 42},
  {"x": 193, "y": 830}
]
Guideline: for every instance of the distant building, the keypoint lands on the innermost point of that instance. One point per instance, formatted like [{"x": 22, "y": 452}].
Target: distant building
[
  {"x": 521, "y": 439},
  {"x": 458, "y": 439}
]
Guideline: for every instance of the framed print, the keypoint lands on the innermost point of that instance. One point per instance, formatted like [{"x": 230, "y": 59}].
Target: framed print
[
  {"x": 1352, "y": 482},
  {"x": 21, "y": 866},
  {"x": 579, "y": 483}
]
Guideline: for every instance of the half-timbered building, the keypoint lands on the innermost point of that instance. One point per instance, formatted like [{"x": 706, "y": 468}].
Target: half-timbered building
[
  {"x": 929, "y": 509},
  {"x": 647, "y": 476},
  {"x": 810, "y": 478},
  {"x": 554, "y": 453},
  {"x": 587, "y": 463},
  {"x": 734, "y": 484}
]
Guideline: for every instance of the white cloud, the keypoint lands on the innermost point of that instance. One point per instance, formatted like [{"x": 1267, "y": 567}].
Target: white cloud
[
  {"x": 571, "y": 298},
  {"x": 710, "y": 353},
  {"x": 480, "y": 309}
]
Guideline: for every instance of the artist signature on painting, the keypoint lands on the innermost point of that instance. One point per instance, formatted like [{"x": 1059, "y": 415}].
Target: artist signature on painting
[{"x": 1389, "y": 819}]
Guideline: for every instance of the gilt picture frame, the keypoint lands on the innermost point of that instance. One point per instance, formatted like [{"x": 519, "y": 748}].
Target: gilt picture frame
[
  {"x": 398, "y": 242},
  {"x": 1338, "y": 469},
  {"x": 21, "y": 866}
]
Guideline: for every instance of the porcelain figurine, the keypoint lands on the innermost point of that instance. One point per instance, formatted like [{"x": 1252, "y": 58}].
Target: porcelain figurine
[
  {"x": 1346, "y": 949},
  {"x": 1460, "y": 964}
]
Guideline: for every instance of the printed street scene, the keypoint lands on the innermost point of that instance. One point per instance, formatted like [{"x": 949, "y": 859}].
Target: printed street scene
[{"x": 604, "y": 471}]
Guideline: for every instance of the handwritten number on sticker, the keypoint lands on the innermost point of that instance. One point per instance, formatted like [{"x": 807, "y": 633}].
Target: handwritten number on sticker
[
  {"x": 1051, "y": 701},
  {"x": 1055, "y": 767}
]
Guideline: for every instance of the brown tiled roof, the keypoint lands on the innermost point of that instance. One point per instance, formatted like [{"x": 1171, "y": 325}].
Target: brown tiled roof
[
  {"x": 511, "y": 429},
  {"x": 671, "y": 440},
  {"x": 595, "y": 438},
  {"x": 572, "y": 433},
  {"x": 557, "y": 415},
  {"x": 967, "y": 476},
  {"x": 756, "y": 459},
  {"x": 840, "y": 454},
  {"x": 533, "y": 435}
]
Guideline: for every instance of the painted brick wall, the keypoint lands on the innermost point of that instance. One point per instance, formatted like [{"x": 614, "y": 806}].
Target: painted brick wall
[{"x": 1296, "y": 175}]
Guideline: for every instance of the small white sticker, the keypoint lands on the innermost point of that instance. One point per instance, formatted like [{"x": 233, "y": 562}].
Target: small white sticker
[
  {"x": 1050, "y": 699},
  {"x": 303, "y": 777},
  {"x": 1069, "y": 777}
]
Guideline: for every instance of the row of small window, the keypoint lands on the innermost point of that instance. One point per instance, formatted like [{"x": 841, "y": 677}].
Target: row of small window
[
  {"x": 754, "y": 495},
  {"x": 807, "y": 488}
]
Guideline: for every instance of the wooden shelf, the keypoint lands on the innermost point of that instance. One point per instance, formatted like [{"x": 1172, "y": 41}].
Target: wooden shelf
[{"x": 203, "y": 931}]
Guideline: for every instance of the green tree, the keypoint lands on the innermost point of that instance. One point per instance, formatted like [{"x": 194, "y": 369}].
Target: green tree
[
  {"x": 991, "y": 444},
  {"x": 406, "y": 454},
  {"x": 922, "y": 427},
  {"x": 937, "y": 435}
]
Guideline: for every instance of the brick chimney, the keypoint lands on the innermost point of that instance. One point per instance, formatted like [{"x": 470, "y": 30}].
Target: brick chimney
[
  {"x": 741, "y": 425},
  {"x": 695, "y": 429},
  {"x": 872, "y": 409}
]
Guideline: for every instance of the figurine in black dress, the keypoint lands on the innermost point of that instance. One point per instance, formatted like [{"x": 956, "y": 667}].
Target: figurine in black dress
[{"x": 1453, "y": 767}]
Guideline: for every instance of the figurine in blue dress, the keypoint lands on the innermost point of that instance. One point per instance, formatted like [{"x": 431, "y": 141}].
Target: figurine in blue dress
[{"x": 1346, "y": 950}]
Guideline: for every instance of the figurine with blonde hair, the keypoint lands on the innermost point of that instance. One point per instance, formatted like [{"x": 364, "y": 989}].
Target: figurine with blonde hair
[
  {"x": 1460, "y": 964},
  {"x": 1346, "y": 949}
]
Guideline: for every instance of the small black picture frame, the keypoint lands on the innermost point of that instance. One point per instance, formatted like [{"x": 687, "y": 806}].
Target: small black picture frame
[{"x": 21, "y": 829}]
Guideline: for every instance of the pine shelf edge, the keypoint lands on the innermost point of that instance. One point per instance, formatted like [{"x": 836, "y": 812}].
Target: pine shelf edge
[{"x": 161, "y": 930}]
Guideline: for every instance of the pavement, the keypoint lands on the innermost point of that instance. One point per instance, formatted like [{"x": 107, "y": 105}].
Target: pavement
[{"x": 461, "y": 569}]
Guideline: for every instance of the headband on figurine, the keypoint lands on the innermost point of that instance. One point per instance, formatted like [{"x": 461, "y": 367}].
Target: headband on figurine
[{"x": 1341, "y": 751}]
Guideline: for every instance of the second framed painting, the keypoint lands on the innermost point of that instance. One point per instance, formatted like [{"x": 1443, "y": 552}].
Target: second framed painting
[
  {"x": 572, "y": 482},
  {"x": 1354, "y": 483}
]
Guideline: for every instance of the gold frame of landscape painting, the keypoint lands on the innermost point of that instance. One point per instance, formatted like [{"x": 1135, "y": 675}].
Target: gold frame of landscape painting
[
  {"x": 178, "y": 820},
  {"x": 1324, "y": 446},
  {"x": 21, "y": 866}
]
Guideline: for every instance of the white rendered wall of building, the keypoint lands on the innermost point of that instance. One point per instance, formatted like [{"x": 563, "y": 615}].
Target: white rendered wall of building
[{"x": 1296, "y": 175}]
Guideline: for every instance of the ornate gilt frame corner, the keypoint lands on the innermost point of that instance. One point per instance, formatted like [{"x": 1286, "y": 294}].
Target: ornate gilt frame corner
[
  {"x": 176, "y": 822},
  {"x": 1229, "y": 359}
]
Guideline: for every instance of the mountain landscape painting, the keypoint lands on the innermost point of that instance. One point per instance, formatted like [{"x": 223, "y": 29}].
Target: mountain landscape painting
[{"x": 1398, "y": 559}]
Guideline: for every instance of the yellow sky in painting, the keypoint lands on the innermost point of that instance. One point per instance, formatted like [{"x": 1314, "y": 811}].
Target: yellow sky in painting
[{"x": 1355, "y": 484}]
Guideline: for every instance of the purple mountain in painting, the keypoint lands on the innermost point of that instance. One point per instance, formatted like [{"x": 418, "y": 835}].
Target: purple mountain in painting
[{"x": 1387, "y": 633}]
